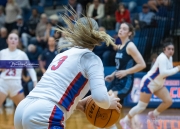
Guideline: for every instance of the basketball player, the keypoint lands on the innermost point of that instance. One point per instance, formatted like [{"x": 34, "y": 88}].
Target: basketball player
[
  {"x": 127, "y": 53},
  {"x": 67, "y": 80},
  {"x": 152, "y": 83},
  {"x": 10, "y": 79},
  {"x": 122, "y": 79}
]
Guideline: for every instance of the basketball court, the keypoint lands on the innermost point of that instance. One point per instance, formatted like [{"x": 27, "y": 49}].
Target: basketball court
[{"x": 170, "y": 119}]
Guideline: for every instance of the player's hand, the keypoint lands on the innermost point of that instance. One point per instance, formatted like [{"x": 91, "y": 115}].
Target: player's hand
[
  {"x": 121, "y": 73},
  {"x": 115, "y": 103},
  {"x": 81, "y": 104},
  {"x": 109, "y": 78}
]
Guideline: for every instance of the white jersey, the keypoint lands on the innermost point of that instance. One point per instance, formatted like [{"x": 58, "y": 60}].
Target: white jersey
[
  {"x": 15, "y": 73},
  {"x": 68, "y": 79},
  {"x": 161, "y": 69}
]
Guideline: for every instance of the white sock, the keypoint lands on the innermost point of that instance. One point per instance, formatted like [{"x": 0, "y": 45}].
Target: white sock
[{"x": 155, "y": 112}]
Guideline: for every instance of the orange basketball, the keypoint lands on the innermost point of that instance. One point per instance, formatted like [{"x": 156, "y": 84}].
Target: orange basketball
[{"x": 100, "y": 117}]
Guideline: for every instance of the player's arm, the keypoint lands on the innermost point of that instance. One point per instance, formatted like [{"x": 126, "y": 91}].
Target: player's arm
[
  {"x": 93, "y": 68},
  {"x": 162, "y": 67},
  {"x": 135, "y": 54},
  {"x": 31, "y": 71}
]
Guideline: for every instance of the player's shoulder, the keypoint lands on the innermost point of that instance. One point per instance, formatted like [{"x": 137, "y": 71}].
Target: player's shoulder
[
  {"x": 91, "y": 56},
  {"x": 4, "y": 50}
]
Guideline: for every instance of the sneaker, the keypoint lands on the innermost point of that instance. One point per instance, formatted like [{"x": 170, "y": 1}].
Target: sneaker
[
  {"x": 153, "y": 119},
  {"x": 125, "y": 124},
  {"x": 9, "y": 103}
]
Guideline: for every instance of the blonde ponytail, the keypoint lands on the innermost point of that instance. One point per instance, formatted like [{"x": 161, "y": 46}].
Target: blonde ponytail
[{"x": 84, "y": 32}]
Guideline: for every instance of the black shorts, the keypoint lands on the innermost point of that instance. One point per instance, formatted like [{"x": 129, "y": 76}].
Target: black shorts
[{"x": 123, "y": 86}]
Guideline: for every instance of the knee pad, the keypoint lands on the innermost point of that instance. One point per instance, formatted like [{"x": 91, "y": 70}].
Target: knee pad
[{"x": 140, "y": 107}]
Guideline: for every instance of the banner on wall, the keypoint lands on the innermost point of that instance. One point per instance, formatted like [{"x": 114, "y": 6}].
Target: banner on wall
[{"x": 172, "y": 83}]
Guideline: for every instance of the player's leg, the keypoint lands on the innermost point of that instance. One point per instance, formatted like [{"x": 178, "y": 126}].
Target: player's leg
[
  {"x": 18, "y": 98},
  {"x": 2, "y": 98},
  {"x": 163, "y": 94},
  {"x": 3, "y": 92},
  {"x": 145, "y": 96},
  {"x": 16, "y": 91}
]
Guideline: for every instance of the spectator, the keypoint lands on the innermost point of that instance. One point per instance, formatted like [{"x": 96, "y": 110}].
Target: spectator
[
  {"x": 76, "y": 6},
  {"x": 50, "y": 30},
  {"x": 48, "y": 54},
  {"x": 144, "y": 18},
  {"x": 109, "y": 20},
  {"x": 12, "y": 11},
  {"x": 33, "y": 52},
  {"x": 106, "y": 53},
  {"x": 25, "y": 7},
  {"x": 23, "y": 30},
  {"x": 2, "y": 17},
  {"x": 156, "y": 4},
  {"x": 54, "y": 20},
  {"x": 33, "y": 21},
  {"x": 130, "y": 4},
  {"x": 84, "y": 4},
  {"x": 3, "y": 37},
  {"x": 40, "y": 38},
  {"x": 122, "y": 15},
  {"x": 96, "y": 11}
]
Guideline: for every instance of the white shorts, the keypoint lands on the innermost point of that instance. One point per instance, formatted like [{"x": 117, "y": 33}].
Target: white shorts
[
  {"x": 11, "y": 87},
  {"x": 36, "y": 113},
  {"x": 149, "y": 86}
]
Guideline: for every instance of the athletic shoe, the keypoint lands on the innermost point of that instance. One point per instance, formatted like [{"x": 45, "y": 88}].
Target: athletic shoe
[
  {"x": 153, "y": 118},
  {"x": 125, "y": 124}
]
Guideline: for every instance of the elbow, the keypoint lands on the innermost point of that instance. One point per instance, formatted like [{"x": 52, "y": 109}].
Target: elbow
[{"x": 143, "y": 65}]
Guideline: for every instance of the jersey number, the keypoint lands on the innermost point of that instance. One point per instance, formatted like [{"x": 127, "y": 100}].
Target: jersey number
[
  {"x": 62, "y": 59},
  {"x": 11, "y": 72}
]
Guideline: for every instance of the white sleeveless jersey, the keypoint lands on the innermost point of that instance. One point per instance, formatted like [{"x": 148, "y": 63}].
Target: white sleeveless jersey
[
  {"x": 161, "y": 69},
  {"x": 15, "y": 73},
  {"x": 64, "y": 82}
]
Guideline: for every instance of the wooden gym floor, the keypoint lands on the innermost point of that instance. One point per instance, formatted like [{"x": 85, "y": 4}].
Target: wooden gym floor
[{"x": 170, "y": 119}]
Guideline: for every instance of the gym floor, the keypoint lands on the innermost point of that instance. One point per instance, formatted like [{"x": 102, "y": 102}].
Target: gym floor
[{"x": 170, "y": 119}]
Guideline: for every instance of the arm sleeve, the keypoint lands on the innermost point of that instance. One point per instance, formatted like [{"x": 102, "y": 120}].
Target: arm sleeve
[
  {"x": 93, "y": 68},
  {"x": 162, "y": 67},
  {"x": 31, "y": 71}
]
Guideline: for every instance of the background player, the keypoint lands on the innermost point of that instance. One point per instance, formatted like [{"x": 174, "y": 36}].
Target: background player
[
  {"x": 152, "y": 83},
  {"x": 127, "y": 53},
  {"x": 67, "y": 80},
  {"x": 10, "y": 79}
]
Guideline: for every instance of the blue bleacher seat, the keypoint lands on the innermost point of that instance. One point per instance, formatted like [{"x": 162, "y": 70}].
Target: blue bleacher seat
[
  {"x": 136, "y": 40},
  {"x": 111, "y": 32},
  {"x": 137, "y": 34},
  {"x": 62, "y": 2},
  {"x": 139, "y": 9}
]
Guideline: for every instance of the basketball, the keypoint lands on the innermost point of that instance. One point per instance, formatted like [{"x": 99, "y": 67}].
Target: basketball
[{"x": 100, "y": 117}]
